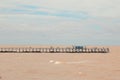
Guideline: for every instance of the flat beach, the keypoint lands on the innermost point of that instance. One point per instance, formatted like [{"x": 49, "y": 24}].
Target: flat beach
[{"x": 61, "y": 66}]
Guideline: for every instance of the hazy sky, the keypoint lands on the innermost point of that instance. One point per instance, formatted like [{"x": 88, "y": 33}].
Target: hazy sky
[{"x": 76, "y": 22}]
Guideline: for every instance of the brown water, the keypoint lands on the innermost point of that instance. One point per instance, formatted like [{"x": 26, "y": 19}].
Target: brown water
[{"x": 46, "y": 66}]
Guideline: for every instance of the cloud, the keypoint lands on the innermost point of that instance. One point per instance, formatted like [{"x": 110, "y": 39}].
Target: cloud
[
  {"x": 53, "y": 30},
  {"x": 60, "y": 22},
  {"x": 101, "y": 8},
  {"x": 34, "y": 10}
]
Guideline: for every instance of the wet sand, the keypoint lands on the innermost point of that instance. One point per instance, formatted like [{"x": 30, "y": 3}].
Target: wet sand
[{"x": 62, "y": 66}]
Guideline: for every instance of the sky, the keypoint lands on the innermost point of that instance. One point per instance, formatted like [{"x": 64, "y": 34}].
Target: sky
[{"x": 64, "y": 22}]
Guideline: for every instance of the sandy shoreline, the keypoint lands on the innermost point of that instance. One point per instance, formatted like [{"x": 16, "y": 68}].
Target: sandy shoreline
[{"x": 36, "y": 66}]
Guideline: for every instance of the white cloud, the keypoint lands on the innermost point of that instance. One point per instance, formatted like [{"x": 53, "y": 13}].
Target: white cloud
[
  {"x": 99, "y": 8},
  {"x": 102, "y": 8},
  {"x": 100, "y": 26}
]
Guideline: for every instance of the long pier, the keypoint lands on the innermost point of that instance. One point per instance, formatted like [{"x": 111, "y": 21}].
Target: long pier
[{"x": 73, "y": 49}]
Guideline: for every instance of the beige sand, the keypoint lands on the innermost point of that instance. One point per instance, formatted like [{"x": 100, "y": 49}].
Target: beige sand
[{"x": 21, "y": 66}]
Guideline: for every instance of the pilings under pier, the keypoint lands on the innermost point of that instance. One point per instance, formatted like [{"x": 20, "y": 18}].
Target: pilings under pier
[{"x": 54, "y": 50}]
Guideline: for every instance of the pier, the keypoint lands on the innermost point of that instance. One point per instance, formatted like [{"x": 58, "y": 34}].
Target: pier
[{"x": 73, "y": 49}]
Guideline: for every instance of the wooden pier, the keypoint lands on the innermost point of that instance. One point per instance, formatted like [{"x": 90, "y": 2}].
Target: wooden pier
[{"x": 74, "y": 49}]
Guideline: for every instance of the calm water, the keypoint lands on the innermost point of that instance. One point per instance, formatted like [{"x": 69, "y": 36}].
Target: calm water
[{"x": 60, "y": 66}]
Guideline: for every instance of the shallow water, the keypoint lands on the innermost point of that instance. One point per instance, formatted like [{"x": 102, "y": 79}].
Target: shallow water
[{"x": 61, "y": 66}]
